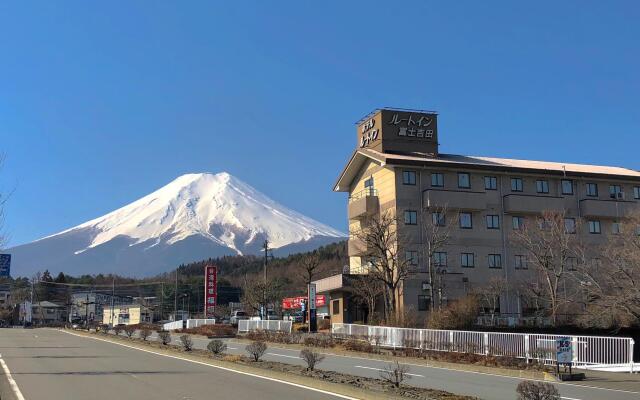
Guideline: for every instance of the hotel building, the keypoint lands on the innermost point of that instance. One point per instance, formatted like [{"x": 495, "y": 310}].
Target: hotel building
[{"x": 397, "y": 168}]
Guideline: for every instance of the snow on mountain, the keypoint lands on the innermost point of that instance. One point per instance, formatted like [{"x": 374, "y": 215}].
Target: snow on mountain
[{"x": 196, "y": 216}]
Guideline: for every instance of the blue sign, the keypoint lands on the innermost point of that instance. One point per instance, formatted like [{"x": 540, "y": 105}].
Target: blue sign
[{"x": 5, "y": 265}]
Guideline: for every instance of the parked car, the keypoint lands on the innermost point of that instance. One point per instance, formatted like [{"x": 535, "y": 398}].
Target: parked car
[{"x": 237, "y": 316}]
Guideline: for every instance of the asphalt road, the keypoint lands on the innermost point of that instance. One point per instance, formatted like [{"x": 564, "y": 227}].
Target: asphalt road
[
  {"x": 54, "y": 365},
  {"x": 485, "y": 386}
]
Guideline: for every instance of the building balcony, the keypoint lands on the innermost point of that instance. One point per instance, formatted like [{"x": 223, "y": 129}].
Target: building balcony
[
  {"x": 356, "y": 247},
  {"x": 530, "y": 204},
  {"x": 455, "y": 199},
  {"x": 363, "y": 204},
  {"x": 608, "y": 208}
]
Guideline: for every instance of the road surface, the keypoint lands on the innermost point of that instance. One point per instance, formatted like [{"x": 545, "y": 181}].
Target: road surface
[
  {"x": 485, "y": 386},
  {"x": 54, "y": 365}
]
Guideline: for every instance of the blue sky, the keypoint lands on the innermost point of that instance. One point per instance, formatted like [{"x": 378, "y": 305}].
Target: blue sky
[{"x": 102, "y": 104}]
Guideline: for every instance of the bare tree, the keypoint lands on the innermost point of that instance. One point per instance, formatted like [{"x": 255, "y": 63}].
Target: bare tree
[
  {"x": 256, "y": 350},
  {"x": 383, "y": 243},
  {"x": 611, "y": 285},
  {"x": 310, "y": 264},
  {"x": 187, "y": 343},
  {"x": 256, "y": 294},
  {"x": 367, "y": 289},
  {"x": 395, "y": 373},
  {"x": 554, "y": 251},
  {"x": 437, "y": 227},
  {"x": 489, "y": 294}
]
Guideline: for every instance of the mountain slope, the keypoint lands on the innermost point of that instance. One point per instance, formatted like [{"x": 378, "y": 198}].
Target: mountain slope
[{"x": 195, "y": 216}]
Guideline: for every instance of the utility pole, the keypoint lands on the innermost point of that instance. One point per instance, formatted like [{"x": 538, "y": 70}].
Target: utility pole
[
  {"x": 161, "y": 301},
  {"x": 263, "y": 311},
  {"x": 175, "y": 299},
  {"x": 113, "y": 297}
]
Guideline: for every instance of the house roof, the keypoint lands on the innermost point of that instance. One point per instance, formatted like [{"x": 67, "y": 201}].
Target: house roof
[
  {"x": 47, "y": 304},
  {"x": 360, "y": 156}
]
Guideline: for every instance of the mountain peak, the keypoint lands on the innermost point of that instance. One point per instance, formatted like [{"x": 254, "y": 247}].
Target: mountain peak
[{"x": 215, "y": 208}]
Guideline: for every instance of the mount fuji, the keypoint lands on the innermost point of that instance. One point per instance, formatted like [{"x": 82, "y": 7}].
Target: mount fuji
[{"x": 194, "y": 217}]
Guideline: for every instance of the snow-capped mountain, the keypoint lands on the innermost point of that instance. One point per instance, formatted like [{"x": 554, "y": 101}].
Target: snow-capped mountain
[{"x": 194, "y": 217}]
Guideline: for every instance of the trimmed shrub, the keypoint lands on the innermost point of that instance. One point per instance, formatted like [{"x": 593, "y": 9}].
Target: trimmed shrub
[
  {"x": 129, "y": 330},
  {"x": 217, "y": 346},
  {"x": 256, "y": 350},
  {"x": 117, "y": 329},
  {"x": 187, "y": 343},
  {"x": 164, "y": 337},
  {"x": 311, "y": 358},
  {"x": 530, "y": 390}
]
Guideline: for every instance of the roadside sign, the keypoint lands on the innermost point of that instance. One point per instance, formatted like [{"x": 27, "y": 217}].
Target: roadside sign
[
  {"x": 210, "y": 290},
  {"x": 564, "y": 350},
  {"x": 5, "y": 265},
  {"x": 289, "y": 303},
  {"x": 312, "y": 296}
]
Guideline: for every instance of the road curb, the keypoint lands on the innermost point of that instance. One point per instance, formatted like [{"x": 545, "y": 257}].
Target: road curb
[{"x": 314, "y": 383}]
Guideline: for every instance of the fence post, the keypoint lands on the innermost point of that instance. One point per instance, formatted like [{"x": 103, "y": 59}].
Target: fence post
[
  {"x": 349, "y": 329},
  {"x": 279, "y": 325},
  {"x": 421, "y": 338},
  {"x": 631, "y": 343},
  {"x": 451, "y": 341},
  {"x": 574, "y": 348},
  {"x": 526, "y": 348},
  {"x": 486, "y": 343}
]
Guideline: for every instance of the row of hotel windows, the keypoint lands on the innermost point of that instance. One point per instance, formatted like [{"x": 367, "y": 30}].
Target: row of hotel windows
[
  {"x": 467, "y": 260},
  {"x": 465, "y": 221},
  {"x": 542, "y": 186}
]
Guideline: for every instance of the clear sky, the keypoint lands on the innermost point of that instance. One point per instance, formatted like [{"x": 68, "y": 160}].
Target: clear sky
[{"x": 102, "y": 104}]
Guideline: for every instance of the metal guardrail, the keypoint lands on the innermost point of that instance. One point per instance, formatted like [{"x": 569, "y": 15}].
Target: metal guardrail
[
  {"x": 190, "y": 323},
  {"x": 589, "y": 352},
  {"x": 246, "y": 325}
]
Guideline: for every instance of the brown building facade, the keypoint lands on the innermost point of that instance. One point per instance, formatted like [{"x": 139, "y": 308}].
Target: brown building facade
[{"x": 397, "y": 168}]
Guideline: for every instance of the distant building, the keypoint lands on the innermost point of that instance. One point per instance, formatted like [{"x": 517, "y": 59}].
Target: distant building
[
  {"x": 127, "y": 314},
  {"x": 45, "y": 312},
  {"x": 5, "y": 295},
  {"x": 90, "y": 305}
]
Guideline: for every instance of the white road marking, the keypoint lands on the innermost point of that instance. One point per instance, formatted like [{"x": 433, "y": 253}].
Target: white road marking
[
  {"x": 218, "y": 367},
  {"x": 12, "y": 382},
  {"x": 283, "y": 355},
  {"x": 380, "y": 369},
  {"x": 569, "y": 398},
  {"x": 469, "y": 372}
]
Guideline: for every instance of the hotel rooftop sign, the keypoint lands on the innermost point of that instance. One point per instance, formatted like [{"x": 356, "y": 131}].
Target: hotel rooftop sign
[{"x": 399, "y": 130}]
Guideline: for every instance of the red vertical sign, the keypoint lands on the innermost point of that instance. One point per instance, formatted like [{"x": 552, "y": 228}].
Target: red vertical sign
[{"x": 210, "y": 290}]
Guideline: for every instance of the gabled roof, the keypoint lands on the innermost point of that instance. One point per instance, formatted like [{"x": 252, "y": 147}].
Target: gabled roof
[{"x": 360, "y": 156}]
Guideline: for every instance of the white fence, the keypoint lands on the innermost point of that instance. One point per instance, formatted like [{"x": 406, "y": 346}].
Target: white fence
[
  {"x": 190, "y": 323},
  {"x": 589, "y": 352},
  {"x": 266, "y": 325}
]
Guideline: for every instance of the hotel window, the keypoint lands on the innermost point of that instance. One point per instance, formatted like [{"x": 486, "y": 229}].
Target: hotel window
[
  {"x": 592, "y": 189},
  {"x": 615, "y": 192},
  {"x": 520, "y": 262},
  {"x": 569, "y": 225},
  {"x": 466, "y": 221},
  {"x": 542, "y": 186},
  {"x": 493, "y": 222},
  {"x": 567, "y": 186},
  {"x": 464, "y": 181},
  {"x": 411, "y": 257},
  {"x": 516, "y": 184},
  {"x": 440, "y": 259},
  {"x": 438, "y": 218},
  {"x": 594, "y": 227},
  {"x": 423, "y": 302},
  {"x": 437, "y": 180},
  {"x": 517, "y": 223},
  {"x": 467, "y": 260},
  {"x": 636, "y": 192},
  {"x": 490, "y": 183},
  {"x": 409, "y": 177},
  {"x": 495, "y": 261},
  {"x": 616, "y": 227},
  {"x": 335, "y": 305},
  {"x": 411, "y": 217}
]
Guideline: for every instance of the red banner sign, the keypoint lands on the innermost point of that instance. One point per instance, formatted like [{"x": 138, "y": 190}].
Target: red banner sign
[
  {"x": 289, "y": 303},
  {"x": 210, "y": 289}
]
